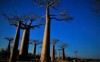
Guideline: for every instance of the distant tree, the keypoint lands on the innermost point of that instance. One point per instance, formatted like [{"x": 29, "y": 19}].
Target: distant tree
[
  {"x": 9, "y": 46},
  {"x": 62, "y": 47},
  {"x": 45, "y": 54},
  {"x": 54, "y": 41},
  {"x": 35, "y": 43}
]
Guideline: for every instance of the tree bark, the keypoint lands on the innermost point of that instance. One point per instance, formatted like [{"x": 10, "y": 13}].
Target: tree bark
[
  {"x": 45, "y": 54},
  {"x": 53, "y": 53},
  {"x": 14, "y": 50},
  {"x": 23, "y": 54}
]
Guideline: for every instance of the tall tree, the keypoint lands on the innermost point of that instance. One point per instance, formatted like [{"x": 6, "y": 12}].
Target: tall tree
[
  {"x": 35, "y": 43},
  {"x": 63, "y": 46},
  {"x": 9, "y": 42},
  {"x": 54, "y": 41},
  {"x": 45, "y": 54},
  {"x": 15, "y": 21},
  {"x": 27, "y": 26}
]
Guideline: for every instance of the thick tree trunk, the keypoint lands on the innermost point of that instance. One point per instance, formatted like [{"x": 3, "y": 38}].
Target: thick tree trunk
[
  {"x": 14, "y": 50},
  {"x": 23, "y": 54},
  {"x": 45, "y": 54},
  {"x": 53, "y": 53},
  {"x": 63, "y": 57}
]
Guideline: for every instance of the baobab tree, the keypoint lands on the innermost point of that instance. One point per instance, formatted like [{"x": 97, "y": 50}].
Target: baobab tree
[
  {"x": 15, "y": 21},
  {"x": 20, "y": 22},
  {"x": 35, "y": 43},
  {"x": 27, "y": 26},
  {"x": 45, "y": 54},
  {"x": 54, "y": 41},
  {"x": 9, "y": 42},
  {"x": 62, "y": 47}
]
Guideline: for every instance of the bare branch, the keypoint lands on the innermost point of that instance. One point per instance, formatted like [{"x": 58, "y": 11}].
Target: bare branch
[
  {"x": 62, "y": 19},
  {"x": 63, "y": 13},
  {"x": 38, "y": 25},
  {"x": 54, "y": 41},
  {"x": 41, "y": 18},
  {"x": 14, "y": 24},
  {"x": 67, "y": 18},
  {"x": 62, "y": 16},
  {"x": 47, "y": 3},
  {"x": 41, "y": 6},
  {"x": 22, "y": 27},
  {"x": 39, "y": 2},
  {"x": 54, "y": 7},
  {"x": 13, "y": 19},
  {"x": 56, "y": 19},
  {"x": 53, "y": 3},
  {"x": 35, "y": 42},
  {"x": 63, "y": 46},
  {"x": 30, "y": 22},
  {"x": 9, "y": 38}
]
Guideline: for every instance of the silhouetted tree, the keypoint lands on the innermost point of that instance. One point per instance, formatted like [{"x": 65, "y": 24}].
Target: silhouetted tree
[
  {"x": 9, "y": 42},
  {"x": 15, "y": 21},
  {"x": 63, "y": 46},
  {"x": 54, "y": 41},
  {"x": 45, "y": 54},
  {"x": 35, "y": 43},
  {"x": 27, "y": 26}
]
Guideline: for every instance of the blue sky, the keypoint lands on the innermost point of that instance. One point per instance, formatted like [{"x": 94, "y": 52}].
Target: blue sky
[{"x": 81, "y": 34}]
